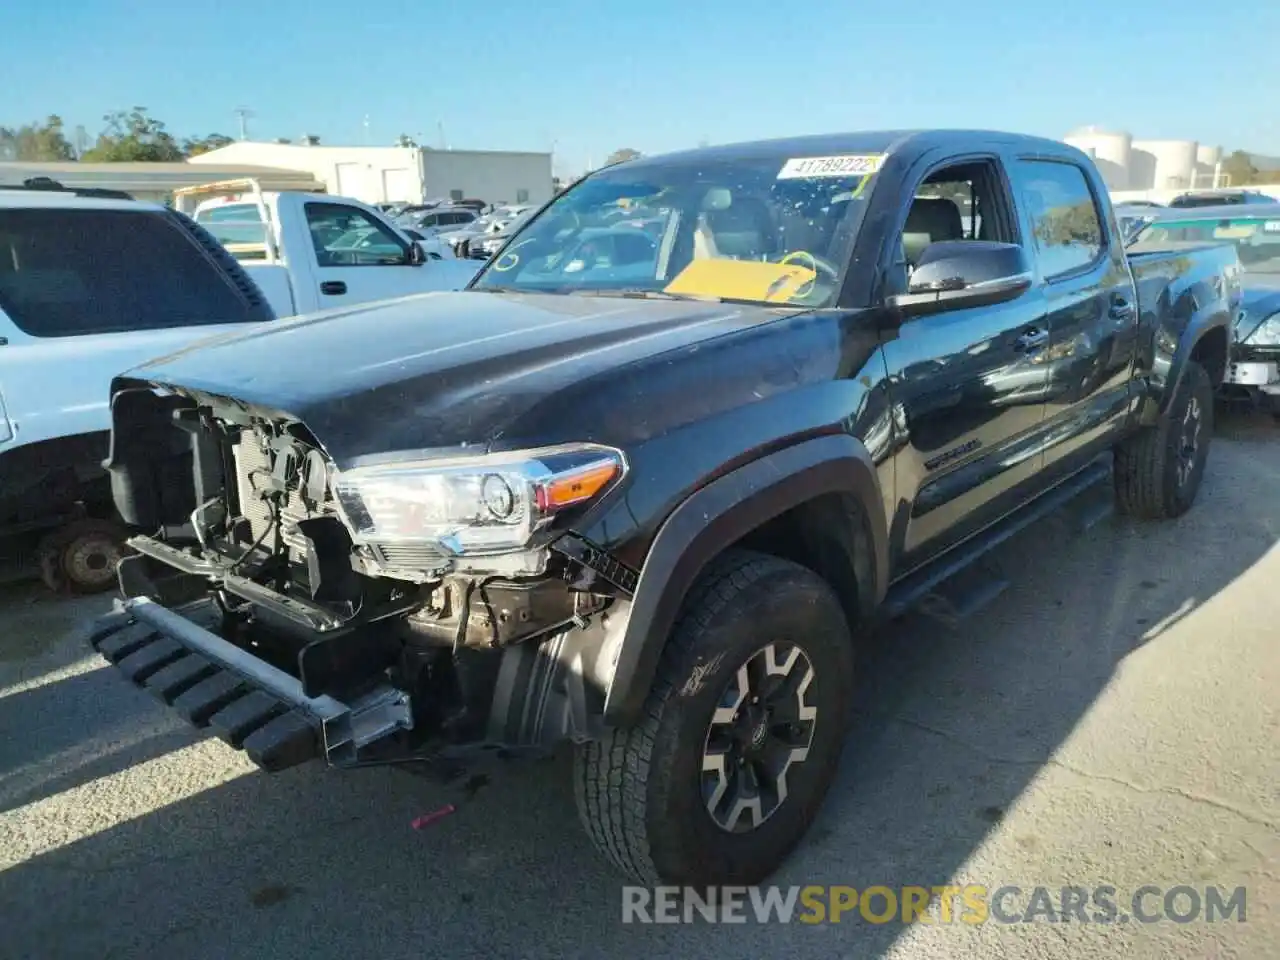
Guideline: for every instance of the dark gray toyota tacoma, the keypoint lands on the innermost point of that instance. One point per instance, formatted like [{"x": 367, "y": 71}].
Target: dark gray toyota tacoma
[{"x": 643, "y": 485}]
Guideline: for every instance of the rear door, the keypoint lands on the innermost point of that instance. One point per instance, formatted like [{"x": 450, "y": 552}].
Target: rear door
[{"x": 1090, "y": 314}]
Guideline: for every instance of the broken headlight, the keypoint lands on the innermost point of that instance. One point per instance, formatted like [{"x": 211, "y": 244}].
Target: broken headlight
[
  {"x": 475, "y": 505},
  {"x": 1265, "y": 334}
]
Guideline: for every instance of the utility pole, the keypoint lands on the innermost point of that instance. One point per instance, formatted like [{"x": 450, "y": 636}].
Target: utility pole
[{"x": 243, "y": 114}]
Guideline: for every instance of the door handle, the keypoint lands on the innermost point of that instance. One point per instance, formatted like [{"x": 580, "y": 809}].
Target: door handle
[
  {"x": 1031, "y": 338},
  {"x": 333, "y": 288},
  {"x": 1121, "y": 308}
]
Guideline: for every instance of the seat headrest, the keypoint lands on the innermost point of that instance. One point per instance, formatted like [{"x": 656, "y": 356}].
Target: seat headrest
[
  {"x": 936, "y": 216},
  {"x": 741, "y": 227},
  {"x": 717, "y": 198}
]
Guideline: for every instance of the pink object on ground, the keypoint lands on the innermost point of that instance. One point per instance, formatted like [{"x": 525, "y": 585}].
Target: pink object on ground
[{"x": 429, "y": 818}]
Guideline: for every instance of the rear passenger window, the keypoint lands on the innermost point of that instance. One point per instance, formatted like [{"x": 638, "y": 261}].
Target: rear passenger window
[
  {"x": 66, "y": 273},
  {"x": 1065, "y": 224}
]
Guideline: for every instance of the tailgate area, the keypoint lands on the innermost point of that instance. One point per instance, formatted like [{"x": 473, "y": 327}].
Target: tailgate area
[{"x": 245, "y": 701}]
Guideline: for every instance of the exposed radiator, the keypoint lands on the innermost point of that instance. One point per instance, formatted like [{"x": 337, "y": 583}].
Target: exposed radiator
[{"x": 250, "y": 458}]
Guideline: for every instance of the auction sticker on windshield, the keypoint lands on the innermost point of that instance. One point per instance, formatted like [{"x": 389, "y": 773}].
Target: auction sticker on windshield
[{"x": 854, "y": 165}]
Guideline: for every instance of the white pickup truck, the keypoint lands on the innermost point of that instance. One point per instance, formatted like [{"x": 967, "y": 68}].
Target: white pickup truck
[
  {"x": 312, "y": 251},
  {"x": 89, "y": 288}
]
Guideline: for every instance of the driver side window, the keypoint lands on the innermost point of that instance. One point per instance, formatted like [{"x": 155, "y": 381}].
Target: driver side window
[
  {"x": 345, "y": 236},
  {"x": 965, "y": 201}
]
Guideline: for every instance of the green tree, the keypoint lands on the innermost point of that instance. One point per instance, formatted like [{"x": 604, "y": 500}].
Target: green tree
[
  {"x": 194, "y": 146},
  {"x": 1240, "y": 169},
  {"x": 36, "y": 142},
  {"x": 626, "y": 153},
  {"x": 133, "y": 136}
]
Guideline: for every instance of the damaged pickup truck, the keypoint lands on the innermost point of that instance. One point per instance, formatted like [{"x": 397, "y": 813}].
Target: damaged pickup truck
[{"x": 644, "y": 483}]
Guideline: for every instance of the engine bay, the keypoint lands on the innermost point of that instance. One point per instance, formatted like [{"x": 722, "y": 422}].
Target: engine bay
[{"x": 242, "y": 505}]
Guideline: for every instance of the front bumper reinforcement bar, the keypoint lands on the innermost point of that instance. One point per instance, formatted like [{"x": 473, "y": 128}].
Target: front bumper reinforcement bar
[{"x": 246, "y": 701}]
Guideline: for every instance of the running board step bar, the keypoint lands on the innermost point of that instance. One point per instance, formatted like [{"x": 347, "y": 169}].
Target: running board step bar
[
  {"x": 248, "y": 703},
  {"x": 908, "y": 593}
]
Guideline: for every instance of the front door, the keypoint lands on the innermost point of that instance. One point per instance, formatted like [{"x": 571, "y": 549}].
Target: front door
[
  {"x": 360, "y": 258},
  {"x": 966, "y": 382}
]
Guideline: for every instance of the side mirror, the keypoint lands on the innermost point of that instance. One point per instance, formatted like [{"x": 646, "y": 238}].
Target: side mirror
[
  {"x": 955, "y": 274},
  {"x": 417, "y": 256}
]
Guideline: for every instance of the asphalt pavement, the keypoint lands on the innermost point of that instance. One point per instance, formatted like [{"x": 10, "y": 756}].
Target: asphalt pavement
[{"x": 1112, "y": 719}]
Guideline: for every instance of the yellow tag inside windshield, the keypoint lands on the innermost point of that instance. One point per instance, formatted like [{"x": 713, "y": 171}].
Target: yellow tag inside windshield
[{"x": 742, "y": 280}]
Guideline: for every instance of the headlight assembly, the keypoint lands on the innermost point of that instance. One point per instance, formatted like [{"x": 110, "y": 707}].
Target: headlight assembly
[
  {"x": 1265, "y": 334},
  {"x": 476, "y": 505}
]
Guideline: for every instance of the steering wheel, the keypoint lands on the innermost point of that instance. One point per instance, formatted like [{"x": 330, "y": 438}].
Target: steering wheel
[{"x": 818, "y": 265}]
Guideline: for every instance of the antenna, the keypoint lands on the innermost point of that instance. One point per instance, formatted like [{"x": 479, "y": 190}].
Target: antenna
[
  {"x": 242, "y": 114},
  {"x": 366, "y": 129},
  {"x": 444, "y": 144}
]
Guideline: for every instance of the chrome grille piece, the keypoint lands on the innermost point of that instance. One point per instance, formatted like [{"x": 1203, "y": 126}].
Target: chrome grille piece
[{"x": 410, "y": 556}]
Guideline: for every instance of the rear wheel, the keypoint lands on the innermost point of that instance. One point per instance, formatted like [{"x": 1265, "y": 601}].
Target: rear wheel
[
  {"x": 1158, "y": 470},
  {"x": 740, "y": 737}
]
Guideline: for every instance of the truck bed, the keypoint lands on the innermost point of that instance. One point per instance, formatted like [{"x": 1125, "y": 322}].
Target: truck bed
[{"x": 1178, "y": 267}]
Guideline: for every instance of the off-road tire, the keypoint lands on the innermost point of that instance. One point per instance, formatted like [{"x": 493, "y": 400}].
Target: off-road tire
[
  {"x": 1147, "y": 480},
  {"x": 81, "y": 556},
  {"x": 638, "y": 790}
]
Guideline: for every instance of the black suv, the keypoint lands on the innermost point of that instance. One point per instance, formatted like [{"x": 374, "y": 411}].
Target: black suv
[{"x": 643, "y": 485}]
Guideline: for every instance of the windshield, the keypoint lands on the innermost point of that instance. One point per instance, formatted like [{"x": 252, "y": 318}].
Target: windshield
[
  {"x": 1256, "y": 239},
  {"x": 518, "y": 221},
  {"x": 771, "y": 229}
]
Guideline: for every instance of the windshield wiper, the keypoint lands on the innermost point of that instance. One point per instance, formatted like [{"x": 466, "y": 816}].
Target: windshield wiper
[{"x": 638, "y": 294}]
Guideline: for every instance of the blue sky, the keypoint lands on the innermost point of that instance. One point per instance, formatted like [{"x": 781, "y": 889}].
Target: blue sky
[{"x": 655, "y": 75}]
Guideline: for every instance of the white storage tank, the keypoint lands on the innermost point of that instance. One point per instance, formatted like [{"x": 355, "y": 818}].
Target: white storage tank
[
  {"x": 1172, "y": 162},
  {"x": 1208, "y": 156},
  {"x": 1110, "y": 151},
  {"x": 1208, "y": 166}
]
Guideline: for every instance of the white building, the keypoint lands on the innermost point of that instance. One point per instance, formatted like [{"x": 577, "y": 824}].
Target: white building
[
  {"x": 1134, "y": 167},
  {"x": 405, "y": 174}
]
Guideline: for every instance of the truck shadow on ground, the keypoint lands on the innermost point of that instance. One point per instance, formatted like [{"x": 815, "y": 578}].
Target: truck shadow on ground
[
  {"x": 953, "y": 723},
  {"x": 60, "y": 733}
]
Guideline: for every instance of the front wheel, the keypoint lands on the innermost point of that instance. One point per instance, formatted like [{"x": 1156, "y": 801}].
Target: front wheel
[
  {"x": 82, "y": 556},
  {"x": 1158, "y": 470},
  {"x": 740, "y": 737}
]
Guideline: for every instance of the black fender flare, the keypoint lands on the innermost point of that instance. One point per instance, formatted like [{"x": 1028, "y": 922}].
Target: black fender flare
[
  {"x": 720, "y": 514},
  {"x": 1212, "y": 317}
]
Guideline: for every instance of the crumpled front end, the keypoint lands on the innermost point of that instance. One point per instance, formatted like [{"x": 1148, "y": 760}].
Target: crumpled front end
[
  {"x": 1255, "y": 349},
  {"x": 390, "y": 611}
]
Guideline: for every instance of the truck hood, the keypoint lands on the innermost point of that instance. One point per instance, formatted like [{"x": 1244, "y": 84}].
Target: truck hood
[{"x": 440, "y": 371}]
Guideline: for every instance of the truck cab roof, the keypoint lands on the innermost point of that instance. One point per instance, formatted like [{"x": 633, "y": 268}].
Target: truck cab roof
[
  {"x": 25, "y": 198},
  {"x": 913, "y": 142}
]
